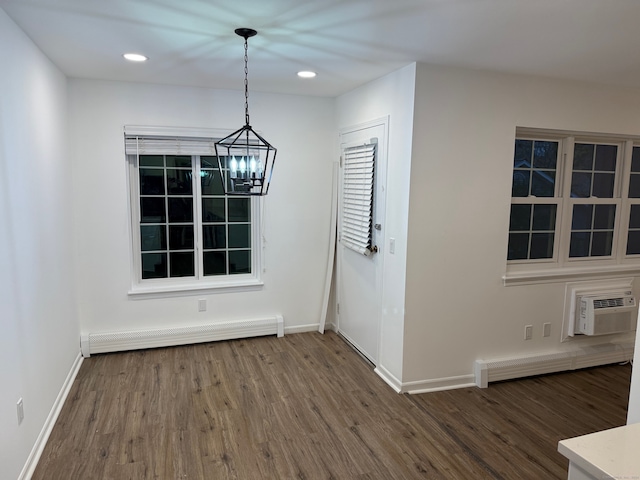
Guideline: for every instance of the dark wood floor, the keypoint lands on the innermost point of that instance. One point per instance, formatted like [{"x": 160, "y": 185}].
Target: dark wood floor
[{"x": 308, "y": 407}]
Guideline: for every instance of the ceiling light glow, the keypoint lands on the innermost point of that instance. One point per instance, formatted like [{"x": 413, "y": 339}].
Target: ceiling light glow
[
  {"x": 135, "y": 57},
  {"x": 306, "y": 74}
]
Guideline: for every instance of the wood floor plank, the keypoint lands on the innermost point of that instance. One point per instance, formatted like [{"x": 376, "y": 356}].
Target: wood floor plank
[{"x": 307, "y": 406}]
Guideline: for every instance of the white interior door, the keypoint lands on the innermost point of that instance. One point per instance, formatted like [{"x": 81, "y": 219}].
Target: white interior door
[{"x": 360, "y": 274}]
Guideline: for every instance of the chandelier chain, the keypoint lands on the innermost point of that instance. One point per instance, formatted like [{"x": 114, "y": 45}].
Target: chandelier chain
[{"x": 246, "y": 80}]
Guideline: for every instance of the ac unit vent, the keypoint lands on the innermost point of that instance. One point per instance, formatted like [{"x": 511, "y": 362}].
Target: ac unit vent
[
  {"x": 608, "y": 302},
  {"x": 606, "y": 314}
]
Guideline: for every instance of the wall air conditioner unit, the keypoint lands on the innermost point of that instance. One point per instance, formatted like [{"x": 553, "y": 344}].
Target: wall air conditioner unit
[{"x": 604, "y": 314}]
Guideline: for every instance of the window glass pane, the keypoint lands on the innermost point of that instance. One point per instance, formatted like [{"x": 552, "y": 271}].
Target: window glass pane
[
  {"x": 604, "y": 217},
  {"x": 523, "y": 153},
  {"x": 634, "y": 217},
  {"x": 154, "y": 265},
  {"x": 518, "y": 246},
  {"x": 582, "y": 217},
  {"x": 210, "y": 181},
  {"x": 178, "y": 182},
  {"x": 634, "y": 185},
  {"x": 520, "y": 217},
  {"x": 521, "y": 182},
  {"x": 239, "y": 236},
  {"x": 541, "y": 245},
  {"x": 606, "y": 158},
  {"x": 213, "y": 210},
  {"x": 581, "y": 185},
  {"x": 151, "y": 160},
  {"x": 151, "y": 181},
  {"x": 152, "y": 210},
  {"x": 601, "y": 244},
  {"x": 183, "y": 161},
  {"x": 208, "y": 161},
  {"x": 153, "y": 237},
  {"x": 579, "y": 246},
  {"x": 603, "y": 185},
  {"x": 181, "y": 237},
  {"x": 182, "y": 264},
  {"x": 583, "y": 156},
  {"x": 180, "y": 209},
  {"x": 545, "y": 155},
  {"x": 239, "y": 261},
  {"x": 633, "y": 243},
  {"x": 239, "y": 210},
  {"x": 543, "y": 183},
  {"x": 215, "y": 263},
  {"x": 635, "y": 160},
  {"x": 544, "y": 217},
  {"x": 214, "y": 236}
]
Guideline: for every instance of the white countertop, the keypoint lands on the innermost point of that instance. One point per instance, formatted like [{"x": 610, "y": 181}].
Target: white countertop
[{"x": 610, "y": 454}]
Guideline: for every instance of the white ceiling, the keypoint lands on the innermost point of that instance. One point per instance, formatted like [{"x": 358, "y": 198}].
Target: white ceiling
[{"x": 347, "y": 42}]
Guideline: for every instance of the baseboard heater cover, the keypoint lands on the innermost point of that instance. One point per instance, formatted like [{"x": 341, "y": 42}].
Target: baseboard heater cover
[
  {"x": 487, "y": 371},
  {"x": 166, "y": 337}
]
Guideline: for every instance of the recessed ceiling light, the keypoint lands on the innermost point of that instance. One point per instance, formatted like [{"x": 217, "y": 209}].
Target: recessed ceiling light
[
  {"x": 135, "y": 57},
  {"x": 306, "y": 74}
]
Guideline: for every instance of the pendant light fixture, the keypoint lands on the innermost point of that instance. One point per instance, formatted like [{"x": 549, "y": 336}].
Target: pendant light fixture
[{"x": 245, "y": 159}]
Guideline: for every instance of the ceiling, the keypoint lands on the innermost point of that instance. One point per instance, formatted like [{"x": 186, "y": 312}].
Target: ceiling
[{"x": 347, "y": 42}]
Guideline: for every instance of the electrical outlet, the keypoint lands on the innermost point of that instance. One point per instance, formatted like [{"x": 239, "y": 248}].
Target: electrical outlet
[
  {"x": 546, "y": 329},
  {"x": 528, "y": 332},
  {"x": 20, "y": 407},
  {"x": 202, "y": 305}
]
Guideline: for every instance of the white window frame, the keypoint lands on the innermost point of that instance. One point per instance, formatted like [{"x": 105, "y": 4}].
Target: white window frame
[
  {"x": 561, "y": 267},
  {"x": 198, "y": 283}
]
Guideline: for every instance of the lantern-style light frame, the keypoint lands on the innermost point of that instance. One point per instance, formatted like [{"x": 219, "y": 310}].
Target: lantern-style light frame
[{"x": 245, "y": 158}]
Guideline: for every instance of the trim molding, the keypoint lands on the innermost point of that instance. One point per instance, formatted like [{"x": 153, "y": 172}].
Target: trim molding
[
  {"x": 389, "y": 378},
  {"x": 38, "y": 447},
  {"x": 439, "y": 384}
]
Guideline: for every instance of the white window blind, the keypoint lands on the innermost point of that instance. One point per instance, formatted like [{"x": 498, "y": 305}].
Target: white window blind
[
  {"x": 142, "y": 140},
  {"x": 357, "y": 197}
]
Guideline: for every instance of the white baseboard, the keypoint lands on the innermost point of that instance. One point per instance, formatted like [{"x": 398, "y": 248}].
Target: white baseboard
[
  {"x": 166, "y": 337},
  {"x": 389, "y": 378},
  {"x": 38, "y": 447},
  {"x": 313, "y": 327},
  {"x": 439, "y": 384}
]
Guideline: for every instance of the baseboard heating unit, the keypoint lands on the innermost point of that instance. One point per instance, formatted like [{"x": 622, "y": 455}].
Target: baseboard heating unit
[
  {"x": 166, "y": 337},
  {"x": 487, "y": 371}
]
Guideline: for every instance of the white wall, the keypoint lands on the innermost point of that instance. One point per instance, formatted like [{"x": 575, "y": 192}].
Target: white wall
[
  {"x": 39, "y": 337},
  {"x": 391, "y": 95},
  {"x": 457, "y": 309},
  {"x": 297, "y": 207},
  {"x": 633, "y": 414}
]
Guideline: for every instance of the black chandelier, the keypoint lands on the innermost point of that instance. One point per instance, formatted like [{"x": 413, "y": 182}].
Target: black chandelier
[{"x": 245, "y": 159}]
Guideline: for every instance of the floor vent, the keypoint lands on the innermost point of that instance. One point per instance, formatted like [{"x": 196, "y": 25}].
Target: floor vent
[
  {"x": 487, "y": 371},
  {"x": 165, "y": 337}
]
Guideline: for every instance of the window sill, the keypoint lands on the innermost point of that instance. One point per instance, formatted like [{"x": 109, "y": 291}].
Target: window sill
[
  {"x": 532, "y": 277},
  {"x": 179, "y": 290}
]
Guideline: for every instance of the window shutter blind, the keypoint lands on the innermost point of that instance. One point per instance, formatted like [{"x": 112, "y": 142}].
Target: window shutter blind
[
  {"x": 357, "y": 197},
  {"x": 152, "y": 145}
]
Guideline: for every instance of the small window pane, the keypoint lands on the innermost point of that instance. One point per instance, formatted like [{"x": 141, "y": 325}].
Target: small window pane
[
  {"x": 583, "y": 156},
  {"x": 518, "y": 246},
  {"x": 581, "y": 185},
  {"x": 214, "y": 236},
  {"x": 580, "y": 243},
  {"x": 180, "y": 210},
  {"x": 582, "y": 217},
  {"x": 603, "y": 185},
  {"x": 178, "y": 182},
  {"x": 634, "y": 186},
  {"x": 213, "y": 210},
  {"x": 545, "y": 155},
  {"x": 633, "y": 243},
  {"x": 634, "y": 217},
  {"x": 182, "y": 264},
  {"x": 153, "y": 237},
  {"x": 154, "y": 265},
  {"x": 180, "y": 161},
  {"x": 604, "y": 218},
  {"x": 152, "y": 210},
  {"x": 635, "y": 160},
  {"x": 541, "y": 245},
  {"x": 151, "y": 181},
  {"x": 239, "y": 210},
  {"x": 543, "y": 183},
  {"x": 207, "y": 161},
  {"x": 239, "y": 261},
  {"x": 181, "y": 237},
  {"x": 151, "y": 160},
  {"x": 210, "y": 181},
  {"x": 520, "y": 217},
  {"x": 521, "y": 182},
  {"x": 215, "y": 263},
  {"x": 523, "y": 153},
  {"x": 239, "y": 236},
  {"x": 544, "y": 217},
  {"x": 606, "y": 158},
  {"x": 601, "y": 244}
]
